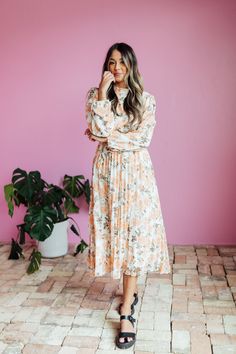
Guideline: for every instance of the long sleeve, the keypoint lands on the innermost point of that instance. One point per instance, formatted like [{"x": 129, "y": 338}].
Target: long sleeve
[
  {"x": 100, "y": 118},
  {"x": 142, "y": 136}
]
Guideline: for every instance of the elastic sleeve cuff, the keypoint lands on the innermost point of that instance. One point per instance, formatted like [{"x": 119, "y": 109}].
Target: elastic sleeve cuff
[
  {"x": 119, "y": 141},
  {"x": 111, "y": 139}
]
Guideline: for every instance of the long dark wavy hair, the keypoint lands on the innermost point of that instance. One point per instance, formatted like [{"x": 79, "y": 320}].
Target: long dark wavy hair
[{"x": 133, "y": 104}]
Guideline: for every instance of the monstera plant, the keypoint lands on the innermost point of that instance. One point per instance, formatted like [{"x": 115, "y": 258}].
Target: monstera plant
[{"x": 46, "y": 204}]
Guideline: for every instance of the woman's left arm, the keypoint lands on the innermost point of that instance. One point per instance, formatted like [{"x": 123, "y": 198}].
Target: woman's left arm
[
  {"x": 99, "y": 115},
  {"x": 142, "y": 136},
  {"x": 93, "y": 137}
]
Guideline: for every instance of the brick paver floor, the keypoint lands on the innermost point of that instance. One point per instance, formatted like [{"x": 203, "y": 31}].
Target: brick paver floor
[{"x": 62, "y": 309}]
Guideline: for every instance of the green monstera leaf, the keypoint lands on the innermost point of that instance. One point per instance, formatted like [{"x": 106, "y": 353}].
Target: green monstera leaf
[
  {"x": 73, "y": 185},
  {"x": 54, "y": 195},
  {"x": 87, "y": 191},
  {"x": 9, "y": 197},
  {"x": 41, "y": 222},
  {"x": 35, "y": 261},
  {"x": 81, "y": 247},
  {"x": 61, "y": 200},
  {"x": 70, "y": 206},
  {"x": 16, "y": 250},
  {"x": 27, "y": 184}
]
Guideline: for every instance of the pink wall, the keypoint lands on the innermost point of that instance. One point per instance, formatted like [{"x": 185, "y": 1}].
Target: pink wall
[{"x": 52, "y": 52}]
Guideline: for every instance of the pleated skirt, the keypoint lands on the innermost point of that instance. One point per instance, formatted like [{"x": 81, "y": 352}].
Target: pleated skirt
[{"x": 126, "y": 228}]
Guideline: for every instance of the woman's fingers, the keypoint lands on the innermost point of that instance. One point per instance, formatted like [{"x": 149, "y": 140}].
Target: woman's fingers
[
  {"x": 92, "y": 137},
  {"x": 88, "y": 132},
  {"x": 108, "y": 73},
  {"x": 106, "y": 80}
]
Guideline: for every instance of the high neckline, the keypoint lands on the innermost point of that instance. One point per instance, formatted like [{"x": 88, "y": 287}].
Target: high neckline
[
  {"x": 121, "y": 92},
  {"x": 121, "y": 88}
]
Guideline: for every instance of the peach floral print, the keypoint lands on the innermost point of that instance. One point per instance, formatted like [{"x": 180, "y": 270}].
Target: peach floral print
[{"x": 126, "y": 228}]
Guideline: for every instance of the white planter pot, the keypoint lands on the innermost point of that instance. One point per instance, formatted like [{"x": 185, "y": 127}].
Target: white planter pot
[{"x": 56, "y": 244}]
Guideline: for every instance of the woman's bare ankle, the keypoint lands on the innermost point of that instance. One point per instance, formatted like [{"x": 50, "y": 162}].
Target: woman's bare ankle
[{"x": 126, "y": 308}]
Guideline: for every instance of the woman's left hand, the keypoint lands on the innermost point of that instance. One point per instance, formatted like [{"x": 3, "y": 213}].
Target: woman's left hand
[{"x": 93, "y": 137}]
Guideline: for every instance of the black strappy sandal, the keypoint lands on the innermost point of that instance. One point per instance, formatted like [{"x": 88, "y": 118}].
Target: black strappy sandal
[
  {"x": 132, "y": 305},
  {"x": 126, "y": 344}
]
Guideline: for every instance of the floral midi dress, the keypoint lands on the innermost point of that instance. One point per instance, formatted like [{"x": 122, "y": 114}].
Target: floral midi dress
[{"x": 126, "y": 229}]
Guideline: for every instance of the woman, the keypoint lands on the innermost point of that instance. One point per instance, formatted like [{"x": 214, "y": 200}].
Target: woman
[{"x": 127, "y": 234}]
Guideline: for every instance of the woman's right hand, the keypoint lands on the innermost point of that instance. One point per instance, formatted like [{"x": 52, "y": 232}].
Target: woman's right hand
[{"x": 106, "y": 80}]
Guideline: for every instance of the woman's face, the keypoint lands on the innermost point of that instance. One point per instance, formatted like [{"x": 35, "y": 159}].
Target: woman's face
[{"x": 117, "y": 66}]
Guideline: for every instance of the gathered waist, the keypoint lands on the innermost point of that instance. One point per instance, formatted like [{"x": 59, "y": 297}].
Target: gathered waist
[{"x": 105, "y": 148}]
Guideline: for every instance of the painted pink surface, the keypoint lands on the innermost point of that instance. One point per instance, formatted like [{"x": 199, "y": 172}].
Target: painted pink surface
[{"x": 51, "y": 54}]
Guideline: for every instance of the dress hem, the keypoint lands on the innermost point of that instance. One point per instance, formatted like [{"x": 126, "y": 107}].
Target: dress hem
[{"x": 117, "y": 275}]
